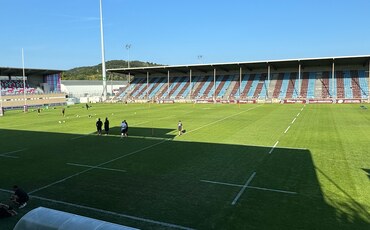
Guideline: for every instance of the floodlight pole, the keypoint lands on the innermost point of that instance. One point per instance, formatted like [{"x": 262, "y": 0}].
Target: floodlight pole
[
  {"x": 128, "y": 47},
  {"x": 104, "y": 75},
  {"x": 24, "y": 84}
]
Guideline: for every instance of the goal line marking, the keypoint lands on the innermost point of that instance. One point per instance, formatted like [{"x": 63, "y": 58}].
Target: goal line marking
[
  {"x": 107, "y": 212},
  {"x": 95, "y": 167}
]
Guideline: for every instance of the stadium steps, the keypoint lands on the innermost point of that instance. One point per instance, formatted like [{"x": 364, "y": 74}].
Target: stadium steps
[
  {"x": 354, "y": 81},
  {"x": 278, "y": 84},
  {"x": 233, "y": 88},
  {"x": 304, "y": 85}
]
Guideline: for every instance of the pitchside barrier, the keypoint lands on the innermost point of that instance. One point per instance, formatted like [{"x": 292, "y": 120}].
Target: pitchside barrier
[{"x": 49, "y": 219}]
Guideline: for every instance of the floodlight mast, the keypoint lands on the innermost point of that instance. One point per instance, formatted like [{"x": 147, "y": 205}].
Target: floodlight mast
[
  {"x": 104, "y": 74},
  {"x": 128, "y": 47}
]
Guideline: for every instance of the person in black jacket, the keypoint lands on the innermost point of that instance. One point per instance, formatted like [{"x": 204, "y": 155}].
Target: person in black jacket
[
  {"x": 106, "y": 126},
  {"x": 20, "y": 197},
  {"x": 99, "y": 124}
]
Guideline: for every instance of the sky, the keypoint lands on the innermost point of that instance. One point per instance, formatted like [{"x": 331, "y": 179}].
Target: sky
[{"x": 66, "y": 34}]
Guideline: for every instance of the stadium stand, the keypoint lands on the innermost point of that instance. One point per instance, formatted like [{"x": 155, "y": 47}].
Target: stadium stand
[{"x": 256, "y": 83}]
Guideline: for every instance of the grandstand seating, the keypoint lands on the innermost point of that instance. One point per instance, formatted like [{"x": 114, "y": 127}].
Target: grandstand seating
[
  {"x": 14, "y": 87},
  {"x": 284, "y": 85},
  {"x": 348, "y": 89},
  {"x": 325, "y": 93},
  {"x": 363, "y": 84}
]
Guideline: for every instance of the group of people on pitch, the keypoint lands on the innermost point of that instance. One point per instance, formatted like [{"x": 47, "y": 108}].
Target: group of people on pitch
[
  {"x": 18, "y": 198},
  {"x": 99, "y": 126}
]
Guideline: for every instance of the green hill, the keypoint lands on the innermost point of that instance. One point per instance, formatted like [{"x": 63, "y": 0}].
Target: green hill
[{"x": 94, "y": 72}]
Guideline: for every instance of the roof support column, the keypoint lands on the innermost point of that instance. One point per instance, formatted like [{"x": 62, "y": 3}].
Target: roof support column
[
  {"x": 332, "y": 76},
  {"x": 191, "y": 86},
  {"x": 240, "y": 81},
  {"x": 214, "y": 85},
  {"x": 147, "y": 85},
  {"x": 268, "y": 80},
  {"x": 168, "y": 84},
  {"x": 299, "y": 80}
]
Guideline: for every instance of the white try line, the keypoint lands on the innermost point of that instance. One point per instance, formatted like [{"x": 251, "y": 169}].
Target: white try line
[
  {"x": 273, "y": 147},
  {"x": 287, "y": 129},
  {"x": 106, "y": 212},
  {"x": 294, "y": 120},
  {"x": 298, "y": 114},
  {"x": 249, "y": 187},
  {"x": 222, "y": 119},
  {"x": 99, "y": 165},
  {"x": 243, "y": 188},
  {"x": 90, "y": 166},
  {"x": 11, "y": 152}
]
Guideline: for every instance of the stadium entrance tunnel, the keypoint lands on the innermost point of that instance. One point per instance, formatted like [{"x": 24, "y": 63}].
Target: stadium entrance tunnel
[
  {"x": 148, "y": 182},
  {"x": 48, "y": 219}
]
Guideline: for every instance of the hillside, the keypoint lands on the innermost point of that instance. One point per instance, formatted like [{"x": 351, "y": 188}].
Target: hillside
[{"x": 94, "y": 72}]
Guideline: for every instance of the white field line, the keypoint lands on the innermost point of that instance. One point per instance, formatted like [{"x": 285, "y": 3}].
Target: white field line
[
  {"x": 90, "y": 166},
  {"x": 243, "y": 188},
  {"x": 222, "y": 119},
  {"x": 252, "y": 187},
  {"x": 298, "y": 114},
  {"x": 273, "y": 190},
  {"x": 287, "y": 129},
  {"x": 99, "y": 165},
  {"x": 8, "y": 153},
  {"x": 148, "y": 147},
  {"x": 107, "y": 212},
  {"x": 273, "y": 147},
  {"x": 6, "y": 156},
  {"x": 221, "y": 183},
  {"x": 294, "y": 120}
]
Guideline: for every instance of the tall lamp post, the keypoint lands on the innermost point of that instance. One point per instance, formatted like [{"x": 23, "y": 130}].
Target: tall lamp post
[{"x": 128, "y": 47}]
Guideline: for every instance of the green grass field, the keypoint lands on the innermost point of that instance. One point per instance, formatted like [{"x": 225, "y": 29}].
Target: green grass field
[{"x": 236, "y": 167}]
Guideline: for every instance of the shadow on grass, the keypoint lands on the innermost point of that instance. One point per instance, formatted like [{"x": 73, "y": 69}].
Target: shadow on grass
[
  {"x": 145, "y": 132},
  {"x": 164, "y": 181}
]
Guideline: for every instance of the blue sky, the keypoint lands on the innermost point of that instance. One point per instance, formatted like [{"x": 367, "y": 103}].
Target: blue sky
[{"x": 66, "y": 34}]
